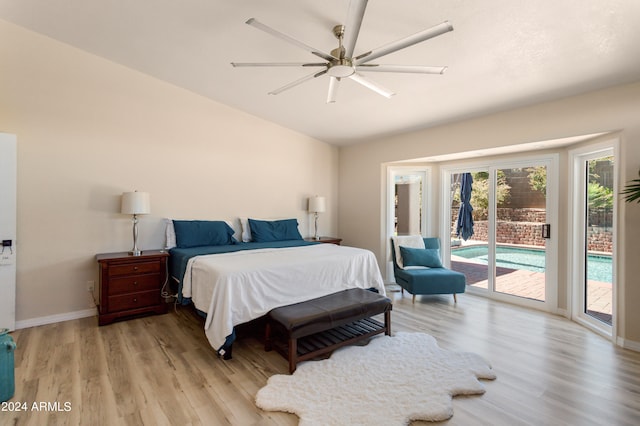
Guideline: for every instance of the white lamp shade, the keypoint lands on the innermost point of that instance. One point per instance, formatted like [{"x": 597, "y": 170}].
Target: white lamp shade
[
  {"x": 317, "y": 204},
  {"x": 135, "y": 203}
]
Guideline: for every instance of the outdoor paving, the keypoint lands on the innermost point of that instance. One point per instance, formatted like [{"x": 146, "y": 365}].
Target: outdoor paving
[{"x": 530, "y": 285}]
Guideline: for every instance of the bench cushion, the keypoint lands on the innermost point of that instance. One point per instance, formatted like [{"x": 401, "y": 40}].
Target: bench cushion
[{"x": 327, "y": 312}]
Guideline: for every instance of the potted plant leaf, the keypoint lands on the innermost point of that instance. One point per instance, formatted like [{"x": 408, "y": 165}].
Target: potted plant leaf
[{"x": 631, "y": 190}]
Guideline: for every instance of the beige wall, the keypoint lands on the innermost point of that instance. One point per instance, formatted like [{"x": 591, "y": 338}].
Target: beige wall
[
  {"x": 362, "y": 176},
  {"x": 89, "y": 129}
]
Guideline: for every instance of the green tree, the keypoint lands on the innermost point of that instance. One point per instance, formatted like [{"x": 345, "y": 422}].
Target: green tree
[
  {"x": 538, "y": 179},
  {"x": 480, "y": 193},
  {"x": 599, "y": 196}
]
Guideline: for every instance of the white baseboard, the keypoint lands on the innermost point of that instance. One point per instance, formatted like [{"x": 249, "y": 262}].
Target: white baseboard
[
  {"x": 562, "y": 312},
  {"x": 51, "y": 319},
  {"x": 628, "y": 344}
]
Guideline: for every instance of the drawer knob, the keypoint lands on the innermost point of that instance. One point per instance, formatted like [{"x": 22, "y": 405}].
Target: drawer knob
[
  {"x": 135, "y": 283},
  {"x": 135, "y": 268},
  {"x": 135, "y": 300}
]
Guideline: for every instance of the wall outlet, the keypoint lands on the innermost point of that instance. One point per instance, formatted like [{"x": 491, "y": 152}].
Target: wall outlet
[{"x": 90, "y": 286}]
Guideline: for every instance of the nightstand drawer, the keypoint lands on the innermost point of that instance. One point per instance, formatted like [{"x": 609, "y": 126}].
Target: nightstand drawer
[
  {"x": 134, "y": 268},
  {"x": 134, "y": 300},
  {"x": 134, "y": 284}
]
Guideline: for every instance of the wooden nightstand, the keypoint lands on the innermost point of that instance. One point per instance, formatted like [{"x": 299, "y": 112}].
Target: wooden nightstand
[
  {"x": 131, "y": 285},
  {"x": 328, "y": 240}
]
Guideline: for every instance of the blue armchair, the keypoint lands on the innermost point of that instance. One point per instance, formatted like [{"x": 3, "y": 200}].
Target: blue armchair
[{"x": 431, "y": 280}]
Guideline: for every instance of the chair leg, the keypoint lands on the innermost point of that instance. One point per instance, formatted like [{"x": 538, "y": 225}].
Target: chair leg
[
  {"x": 414, "y": 299},
  {"x": 402, "y": 291},
  {"x": 455, "y": 299}
]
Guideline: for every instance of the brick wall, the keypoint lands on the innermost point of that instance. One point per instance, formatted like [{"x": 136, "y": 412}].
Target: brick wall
[
  {"x": 525, "y": 233},
  {"x": 524, "y": 226},
  {"x": 522, "y": 215},
  {"x": 600, "y": 239}
]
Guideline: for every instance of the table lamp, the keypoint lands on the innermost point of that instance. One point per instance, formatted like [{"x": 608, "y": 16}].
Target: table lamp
[
  {"x": 135, "y": 203},
  {"x": 316, "y": 205}
]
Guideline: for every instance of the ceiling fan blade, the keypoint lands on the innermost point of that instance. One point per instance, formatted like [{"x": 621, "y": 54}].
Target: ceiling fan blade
[
  {"x": 417, "y": 69},
  {"x": 334, "y": 83},
  {"x": 259, "y": 25},
  {"x": 355, "y": 16},
  {"x": 404, "y": 42},
  {"x": 277, "y": 64},
  {"x": 371, "y": 85},
  {"x": 297, "y": 82}
]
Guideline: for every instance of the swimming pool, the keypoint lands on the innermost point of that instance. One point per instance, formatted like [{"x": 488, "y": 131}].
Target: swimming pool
[{"x": 599, "y": 267}]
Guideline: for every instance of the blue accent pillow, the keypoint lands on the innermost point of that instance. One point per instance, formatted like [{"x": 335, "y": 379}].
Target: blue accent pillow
[
  {"x": 420, "y": 257},
  {"x": 196, "y": 233},
  {"x": 275, "y": 230}
]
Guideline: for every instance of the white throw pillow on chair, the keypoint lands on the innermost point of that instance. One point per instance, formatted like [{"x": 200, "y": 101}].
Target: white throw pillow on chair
[{"x": 412, "y": 241}]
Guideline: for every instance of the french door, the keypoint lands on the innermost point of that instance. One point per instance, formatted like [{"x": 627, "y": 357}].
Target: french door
[
  {"x": 512, "y": 252},
  {"x": 407, "y": 201},
  {"x": 593, "y": 214}
]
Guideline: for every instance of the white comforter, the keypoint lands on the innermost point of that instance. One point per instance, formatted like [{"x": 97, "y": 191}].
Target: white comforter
[{"x": 234, "y": 288}]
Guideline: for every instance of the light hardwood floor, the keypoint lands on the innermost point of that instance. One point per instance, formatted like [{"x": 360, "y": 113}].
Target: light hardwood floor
[{"x": 161, "y": 369}]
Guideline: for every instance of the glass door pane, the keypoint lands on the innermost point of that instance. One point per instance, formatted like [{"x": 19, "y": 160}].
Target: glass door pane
[
  {"x": 520, "y": 254},
  {"x": 598, "y": 249},
  {"x": 507, "y": 256},
  {"x": 471, "y": 256}
]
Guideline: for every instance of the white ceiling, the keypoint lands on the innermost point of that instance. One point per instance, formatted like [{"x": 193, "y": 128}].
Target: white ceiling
[{"x": 501, "y": 54}]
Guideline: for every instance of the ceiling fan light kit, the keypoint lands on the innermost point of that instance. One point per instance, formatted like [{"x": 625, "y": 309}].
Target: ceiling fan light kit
[{"x": 340, "y": 62}]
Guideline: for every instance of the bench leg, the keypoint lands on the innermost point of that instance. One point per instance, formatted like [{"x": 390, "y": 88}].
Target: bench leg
[
  {"x": 414, "y": 299},
  {"x": 387, "y": 323},
  {"x": 293, "y": 354},
  {"x": 455, "y": 299},
  {"x": 267, "y": 338}
]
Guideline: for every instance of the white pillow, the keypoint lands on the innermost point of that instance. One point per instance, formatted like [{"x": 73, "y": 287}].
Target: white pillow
[
  {"x": 170, "y": 234},
  {"x": 412, "y": 241},
  {"x": 246, "y": 231}
]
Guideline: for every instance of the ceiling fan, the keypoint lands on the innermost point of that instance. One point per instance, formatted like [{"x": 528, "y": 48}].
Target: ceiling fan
[{"x": 341, "y": 63}]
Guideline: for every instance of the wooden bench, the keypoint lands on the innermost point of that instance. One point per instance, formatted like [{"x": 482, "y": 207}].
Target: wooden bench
[{"x": 319, "y": 326}]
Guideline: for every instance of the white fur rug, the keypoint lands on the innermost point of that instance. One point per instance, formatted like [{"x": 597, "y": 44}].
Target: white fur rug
[{"x": 390, "y": 381}]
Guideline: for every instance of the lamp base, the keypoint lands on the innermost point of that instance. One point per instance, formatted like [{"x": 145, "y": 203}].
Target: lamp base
[
  {"x": 315, "y": 235},
  {"x": 135, "y": 251}
]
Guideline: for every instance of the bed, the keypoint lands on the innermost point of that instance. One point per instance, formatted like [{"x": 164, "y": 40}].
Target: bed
[{"x": 233, "y": 282}]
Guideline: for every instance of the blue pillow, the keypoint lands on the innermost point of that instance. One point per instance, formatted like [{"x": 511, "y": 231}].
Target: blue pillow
[
  {"x": 420, "y": 257},
  {"x": 195, "y": 233},
  {"x": 276, "y": 230}
]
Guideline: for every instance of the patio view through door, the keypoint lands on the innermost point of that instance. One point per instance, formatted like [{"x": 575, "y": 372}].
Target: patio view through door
[
  {"x": 593, "y": 238},
  {"x": 507, "y": 255}
]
